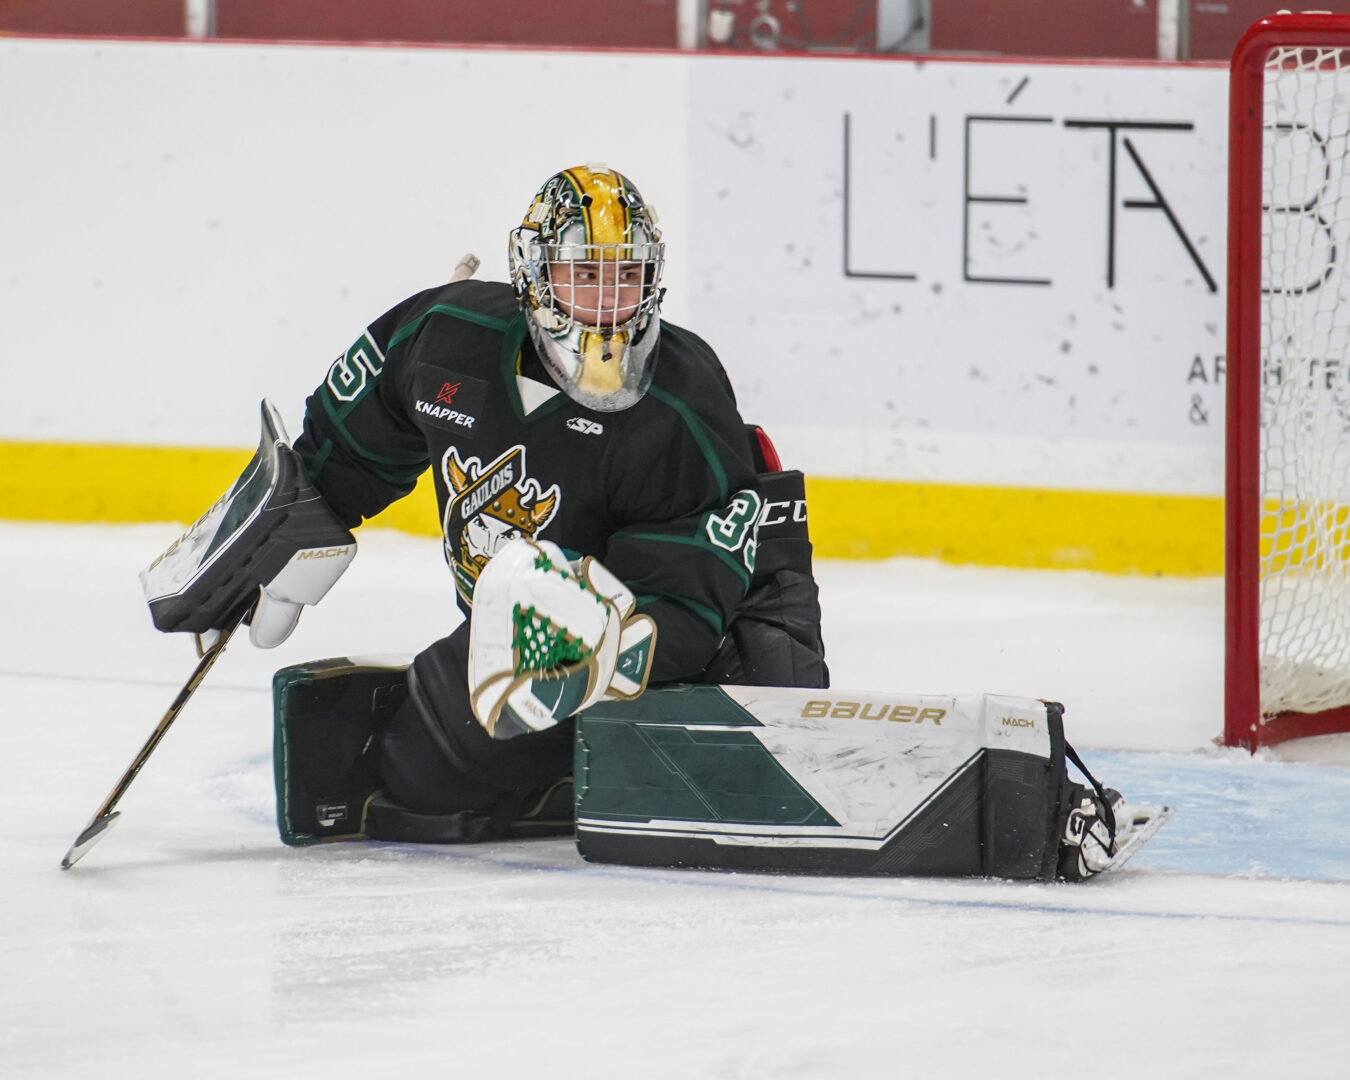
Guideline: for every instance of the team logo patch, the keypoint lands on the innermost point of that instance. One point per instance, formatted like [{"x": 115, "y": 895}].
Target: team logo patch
[
  {"x": 489, "y": 506},
  {"x": 443, "y": 399},
  {"x": 586, "y": 427}
]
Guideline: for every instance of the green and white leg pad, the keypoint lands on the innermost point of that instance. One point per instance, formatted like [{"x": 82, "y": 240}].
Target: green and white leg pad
[{"x": 830, "y": 781}]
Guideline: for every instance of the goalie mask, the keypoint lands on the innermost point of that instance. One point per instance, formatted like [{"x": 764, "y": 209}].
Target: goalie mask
[{"x": 586, "y": 265}]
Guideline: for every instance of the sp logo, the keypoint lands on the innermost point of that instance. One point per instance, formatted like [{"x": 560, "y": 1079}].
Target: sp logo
[{"x": 586, "y": 427}]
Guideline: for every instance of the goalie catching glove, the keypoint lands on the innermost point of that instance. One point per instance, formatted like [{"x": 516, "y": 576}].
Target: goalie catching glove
[
  {"x": 270, "y": 543},
  {"x": 547, "y": 641}
]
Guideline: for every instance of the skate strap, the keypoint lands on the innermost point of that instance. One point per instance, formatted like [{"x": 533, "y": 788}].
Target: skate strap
[{"x": 1110, "y": 815}]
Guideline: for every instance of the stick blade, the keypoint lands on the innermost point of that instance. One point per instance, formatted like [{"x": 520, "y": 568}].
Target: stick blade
[{"x": 87, "y": 839}]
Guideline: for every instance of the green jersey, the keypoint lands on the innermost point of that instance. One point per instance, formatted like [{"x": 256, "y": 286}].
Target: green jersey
[{"x": 663, "y": 493}]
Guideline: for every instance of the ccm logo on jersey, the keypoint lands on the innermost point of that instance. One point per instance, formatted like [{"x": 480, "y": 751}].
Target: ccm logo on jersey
[
  {"x": 586, "y": 427},
  {"x": 781, "y": 511},
  {"x": 866, "y": 710}
]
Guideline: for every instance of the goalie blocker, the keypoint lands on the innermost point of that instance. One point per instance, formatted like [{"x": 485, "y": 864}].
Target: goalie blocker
[{"x": 270, "y": 543}]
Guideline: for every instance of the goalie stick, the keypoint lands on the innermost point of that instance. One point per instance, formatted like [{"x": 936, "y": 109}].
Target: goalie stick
[{"x": 103, "y": 819}]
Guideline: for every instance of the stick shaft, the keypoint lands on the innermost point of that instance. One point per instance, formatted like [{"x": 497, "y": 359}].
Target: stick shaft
[
  {"x": 209, "y": 657},
  {"x": 204, "y": 665}
]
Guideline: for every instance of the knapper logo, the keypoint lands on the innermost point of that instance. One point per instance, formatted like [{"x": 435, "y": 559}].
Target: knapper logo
[{"x": 446, "y": 394}]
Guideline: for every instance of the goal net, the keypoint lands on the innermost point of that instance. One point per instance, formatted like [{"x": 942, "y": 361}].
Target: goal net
[{"x": 1288, "y": 498}]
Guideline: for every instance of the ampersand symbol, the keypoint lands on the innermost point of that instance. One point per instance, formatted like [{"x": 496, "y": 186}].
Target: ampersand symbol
[{"x": 1198, "y": 413}]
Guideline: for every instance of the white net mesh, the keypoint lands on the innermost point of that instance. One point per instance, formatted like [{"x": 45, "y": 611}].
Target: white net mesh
[{"x": 1305, "y": 409}]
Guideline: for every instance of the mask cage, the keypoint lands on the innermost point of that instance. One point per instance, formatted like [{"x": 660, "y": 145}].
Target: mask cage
[{"x": 563, "y": 263}]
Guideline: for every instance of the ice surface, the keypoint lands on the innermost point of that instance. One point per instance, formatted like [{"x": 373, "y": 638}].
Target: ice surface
[{"x": 191, "y": 943}]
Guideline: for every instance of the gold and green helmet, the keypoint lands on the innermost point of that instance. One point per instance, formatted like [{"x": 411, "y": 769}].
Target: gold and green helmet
[{"x": 586, "y": 265}]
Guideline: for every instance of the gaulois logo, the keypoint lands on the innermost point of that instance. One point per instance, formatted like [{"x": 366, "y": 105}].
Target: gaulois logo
[{"x": 489, "y": 506}]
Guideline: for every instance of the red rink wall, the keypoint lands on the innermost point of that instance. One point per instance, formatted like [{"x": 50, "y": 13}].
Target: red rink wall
[
  {"x": 609, "y": 23},
  {"x": 578, "y": 23},
  {"x": 121, "y": 18},
  {"x": 1117, "y": 29}
]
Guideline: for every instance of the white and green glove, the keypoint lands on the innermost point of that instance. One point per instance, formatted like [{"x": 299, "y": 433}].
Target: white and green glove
[{"x": 547, "y": 640}]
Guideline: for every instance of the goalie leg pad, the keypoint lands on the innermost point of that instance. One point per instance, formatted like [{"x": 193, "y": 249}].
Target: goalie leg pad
[
  {"x": 328, "y": 716},
  {"x": 779, "y": 779}
]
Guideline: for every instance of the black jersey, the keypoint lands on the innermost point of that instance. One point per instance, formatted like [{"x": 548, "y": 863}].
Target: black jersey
[{"x": 663, "y": 493}]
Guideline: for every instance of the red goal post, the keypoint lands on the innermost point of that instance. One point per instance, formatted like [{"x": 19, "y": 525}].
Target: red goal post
[{"x": 1287, "y": 655}]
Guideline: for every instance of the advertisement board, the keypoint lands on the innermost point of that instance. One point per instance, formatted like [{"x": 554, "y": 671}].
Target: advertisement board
[{"x": 977, "y": 272}]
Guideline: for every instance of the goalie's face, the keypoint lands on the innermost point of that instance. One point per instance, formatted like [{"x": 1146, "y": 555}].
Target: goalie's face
[
  {"x": 586, "y": 265},
  {"x": 599, "y": 293}
]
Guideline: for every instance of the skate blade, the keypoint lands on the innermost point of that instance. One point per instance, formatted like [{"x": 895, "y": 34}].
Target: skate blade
[
  {"x": 92, "y": 834},
  {"x": 1142, "y": 822}
]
